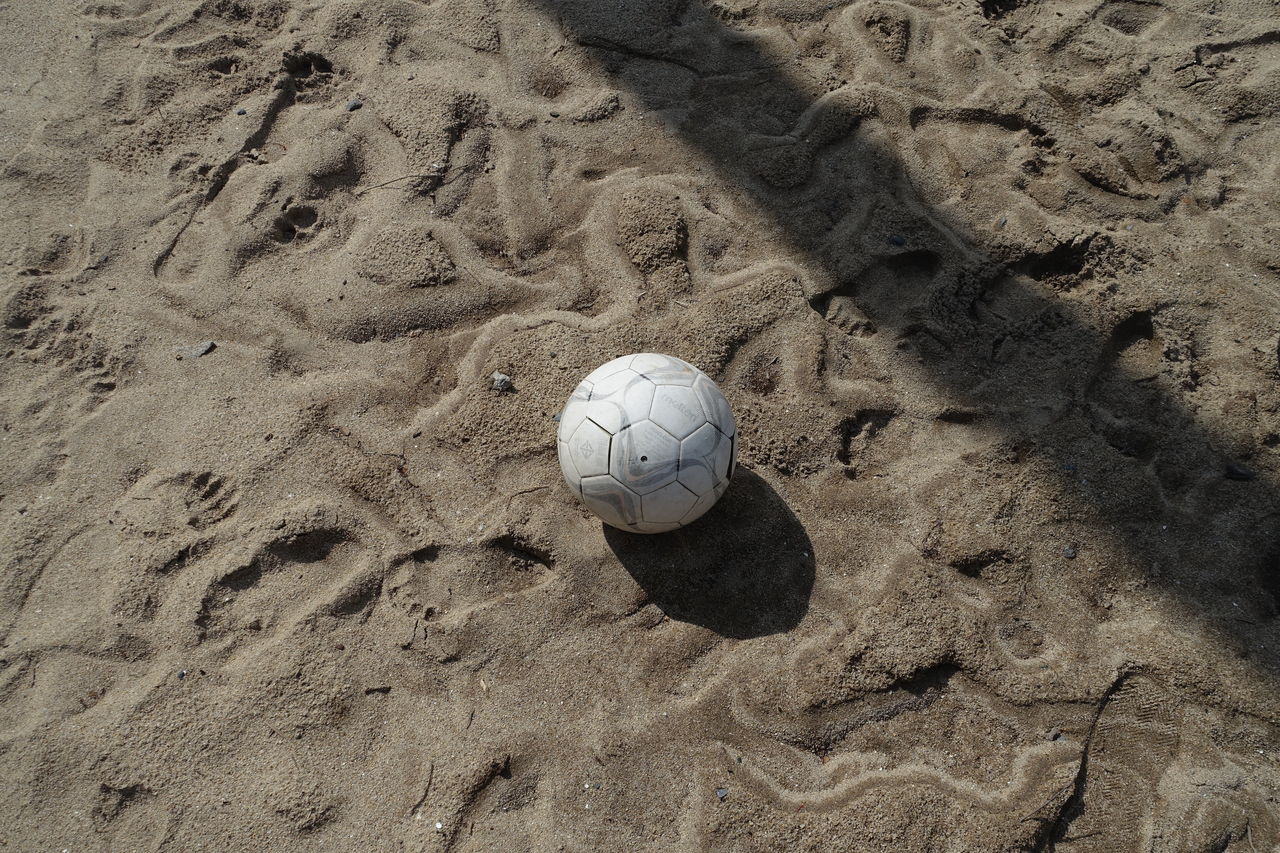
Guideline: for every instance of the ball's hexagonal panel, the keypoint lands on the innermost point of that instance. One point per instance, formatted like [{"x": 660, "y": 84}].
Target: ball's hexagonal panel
[
  {"x": 665, "y": 369},
  {"x": 668, "y": 504},
  {"x": 715, "y": 405},
  {"x": 589, "y": 449},
  {"x": 609, "y": 368},
  {"x": 575, "y": 411},
  {"x": 698, "y": 458},
  {"x": 644, "y": 457},
  {"x": 567, "y": 468},
  {"x": 613, "y": 502},
  {"x": 612, "y": 383},
  {"x": 722, "y": 461},
  {"x": 677, "y": 410},
  {"x": 655, "y": 526},
  {"x": 700, "y": 507},
  {"x": 620, "y": 400}
]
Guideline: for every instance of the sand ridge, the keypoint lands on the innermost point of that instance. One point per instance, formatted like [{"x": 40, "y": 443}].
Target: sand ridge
[{"x": 990, "y": 285}]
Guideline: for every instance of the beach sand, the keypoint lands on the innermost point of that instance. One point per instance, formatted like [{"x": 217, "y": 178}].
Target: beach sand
[{"x": 992, "y": 286}]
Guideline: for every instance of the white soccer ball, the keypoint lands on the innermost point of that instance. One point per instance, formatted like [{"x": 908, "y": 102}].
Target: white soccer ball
[{"x": 648, "y": 442}]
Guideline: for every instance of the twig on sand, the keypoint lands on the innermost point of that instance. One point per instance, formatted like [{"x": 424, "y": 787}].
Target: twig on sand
[
  {"x": 515, "y": 495},
  {"x": 417, "y": 807},
  {"x": 436, "y": 174},
  {"x": 401, "y": 178}
]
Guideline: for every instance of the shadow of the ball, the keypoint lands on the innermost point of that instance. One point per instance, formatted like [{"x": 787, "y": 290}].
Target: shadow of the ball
[{"x": 745, "y": 569}]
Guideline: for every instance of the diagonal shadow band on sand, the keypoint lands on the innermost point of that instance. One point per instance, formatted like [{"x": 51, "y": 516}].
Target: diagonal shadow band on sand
[{"x": 984, "y": 325}]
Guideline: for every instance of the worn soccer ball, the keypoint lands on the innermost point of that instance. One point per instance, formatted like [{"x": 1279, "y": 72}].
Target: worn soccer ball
[{"x": 648, "y": 442}]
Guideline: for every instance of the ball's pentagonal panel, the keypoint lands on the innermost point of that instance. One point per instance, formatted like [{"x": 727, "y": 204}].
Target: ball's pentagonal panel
[
  {"x": 589, "y": 449},
  {"x": 609, "y": 368},
  {"x": 677, "y": 410},
  {"x": 620, "y": 400},
  {"x": 648, "y": 442},
  {"x": 611, "y": 500},
  {"x": 697, "y": 458},
  {"x": 665, "y": 370},
  {"x": 644, "y": 457},
  {"x": 575, "y": 411},
  {"x": 668, "y": 504},
  {"x": 715, "y": 405}
]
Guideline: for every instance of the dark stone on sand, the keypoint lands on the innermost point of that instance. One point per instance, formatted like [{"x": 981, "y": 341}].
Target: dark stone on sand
[
  {"x": 1069, "y": 552},
  {"x": 354, "y": 104}
]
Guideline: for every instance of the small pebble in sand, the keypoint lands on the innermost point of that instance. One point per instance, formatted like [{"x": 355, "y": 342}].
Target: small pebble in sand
[
  {"x": 1069, "y": 552},
  {"x": 195, "y": 350},
  {"x": 182, "y": 673},
  {"x": 895, "y": 240},
  {"x": 242, "y": 111},
  {"x": 354, "y": 104},
  {"x": 501, "y": 381},
  {"x": 721, "y": 793}
]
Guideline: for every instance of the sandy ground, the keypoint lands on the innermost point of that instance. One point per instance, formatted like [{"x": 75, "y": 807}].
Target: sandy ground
[{"x": 992, "y": 285}]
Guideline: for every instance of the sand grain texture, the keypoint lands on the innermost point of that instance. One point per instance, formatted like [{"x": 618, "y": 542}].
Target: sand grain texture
[{"x": 992, "y": 286}]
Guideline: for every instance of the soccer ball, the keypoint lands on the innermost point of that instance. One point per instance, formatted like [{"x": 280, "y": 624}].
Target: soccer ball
[{"x": 648, "y": 442}]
